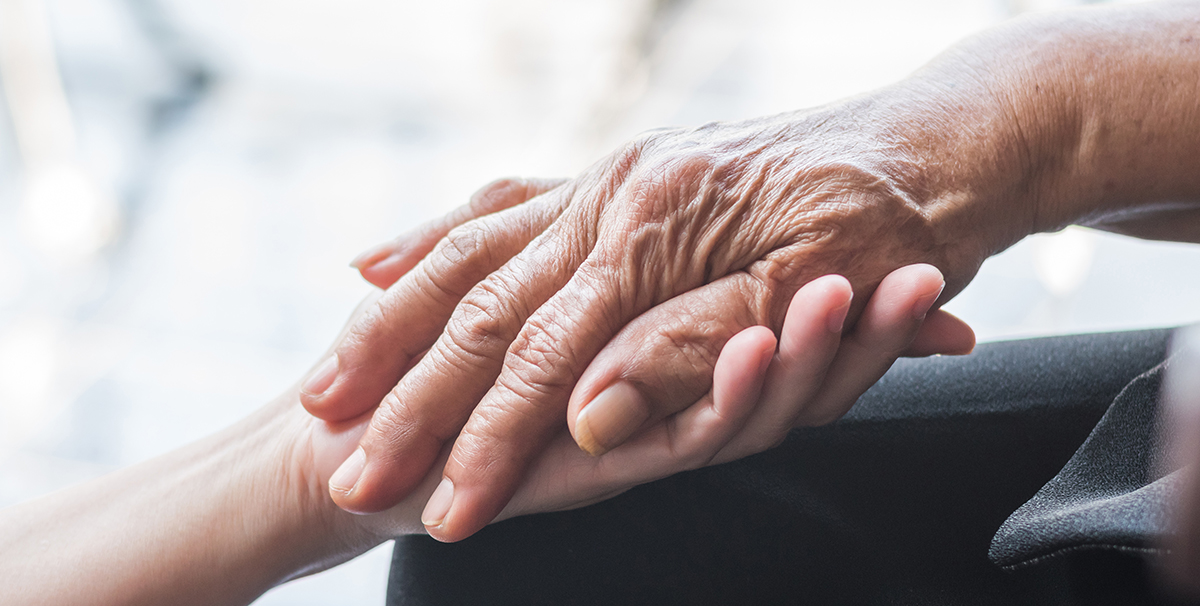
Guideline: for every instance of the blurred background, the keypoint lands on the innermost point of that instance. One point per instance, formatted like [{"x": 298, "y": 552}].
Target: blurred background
[{"x": 183, "y": 182}]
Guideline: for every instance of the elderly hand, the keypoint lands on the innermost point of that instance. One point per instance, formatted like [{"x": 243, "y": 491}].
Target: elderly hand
[
  {"x": 807, "y": 384},
  {"x": 737, "y": 216},
  {"x": 692, "y": 235}
]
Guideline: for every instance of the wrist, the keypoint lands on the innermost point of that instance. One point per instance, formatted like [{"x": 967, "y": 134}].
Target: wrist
[
  {"x": 984, "y": 160},
  {"x": 219, "y": 521},
  {"x": 288, "y": 475},
  {"x": 1083, "y": 116},
  {"x": 947, "y": 144}
]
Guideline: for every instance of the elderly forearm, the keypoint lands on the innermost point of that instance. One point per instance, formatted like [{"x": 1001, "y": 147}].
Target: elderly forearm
[{"x": 1099, "y": 120}]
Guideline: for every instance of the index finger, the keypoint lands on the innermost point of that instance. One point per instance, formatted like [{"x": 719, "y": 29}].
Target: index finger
[
  {"x": 371, "y": 358},
  {"x": 521, "y": 412},
  {"x": 386, "y": 263}
]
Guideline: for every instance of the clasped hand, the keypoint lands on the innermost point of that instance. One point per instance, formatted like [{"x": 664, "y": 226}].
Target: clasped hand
[{"x": 636, "y": 306}]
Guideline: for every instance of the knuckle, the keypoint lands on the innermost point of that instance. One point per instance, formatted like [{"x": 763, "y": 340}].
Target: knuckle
[
  {"x": 632, "y": 151},
  {"x": 650, "y": 138},
  {"x": 502, "y": 432},
  {"x": 482, "y": 326},
  {"x": 688, "y": 164},
  {"x": 392, "y": 425},
  {"x": 467, "y": 253},
  {"x": 690, "y": 341},
  {"x": 670, "y": 180},
  {"x": 475, "y": 451},
  {"x": 630, "y": 155},
  {"x": 514, "y": 408},
  {"x": 530, "y": 384},
  {"x": 537, "y": 375},
  {"x": 545, "y": 344},
  {"x": 376, "y": 324},
  {"x": 497, "y": 195},
  {"x": 462, "y": 352},
  {"x": 465, "y": 244},
  {"x": 778, "y": 272}
]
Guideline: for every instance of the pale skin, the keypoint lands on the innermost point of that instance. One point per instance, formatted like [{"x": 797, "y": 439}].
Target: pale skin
[
  {"x": 224, "y": 519},
  {"x": 602, "y": 302}
]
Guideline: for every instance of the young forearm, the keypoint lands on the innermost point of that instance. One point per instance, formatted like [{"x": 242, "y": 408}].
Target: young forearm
[{"x": 217, "y": 522}]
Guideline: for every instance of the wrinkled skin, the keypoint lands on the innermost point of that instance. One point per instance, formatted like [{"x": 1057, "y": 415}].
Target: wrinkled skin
[{"x": 641, "y": 269}]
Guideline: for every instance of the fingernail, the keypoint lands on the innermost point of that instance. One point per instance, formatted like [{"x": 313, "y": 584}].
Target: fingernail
[
  {"x": 371, "y": 256},
  {"x": 610, "y": 418},
  {"x": 921, "y": 307},
  {"x": 439, "y": 504},
  {"x": 381, "y": 264},
  {"x": 837, "y": 317},
  {"x": 322, "y": 377},
  {"x": 346, "y": 476}
]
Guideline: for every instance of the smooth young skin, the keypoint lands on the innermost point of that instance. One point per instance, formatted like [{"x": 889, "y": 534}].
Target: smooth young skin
[
  {"x": 637, "y": 272},
  {"x": 223, "y": 520}
]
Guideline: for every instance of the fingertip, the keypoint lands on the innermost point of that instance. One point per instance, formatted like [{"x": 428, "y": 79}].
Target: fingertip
[
  {"x": 388, "y": 270},
  {"x": 911, "y": 290},
  {"x": 742, "y": 366},
  {"x": 961, "y": 339},
  {"x": 328, "y": 408},
  {"x": 751, "y": 348},
  {"x": 830, "y": 293},
  {"x": 962, "y": 351},
  {"x": 349, "y": 491},
  {"x": 318, "y": 385},
  {"x": 767, "y": 345},
  {"x": 438, "y": 505},
  {"x": 920, "y": 276},
  {"x": 320, "y": 379},
  {"x": 456, "y": 510},
  {"x": 610, "y": 418},
  {"x": 356, "y": 498},
  {"x": 756, "y": 338},
  {"x": 382, "y": 472},
  {"x": 942, "y": 333},
  {"x": 372, "y": 255},
  {"x": 925, "y": 301},
  {"x": 343, "y": 480},
  {"x": 920, "y": 271},
  {"x": 834, "y": 286}
]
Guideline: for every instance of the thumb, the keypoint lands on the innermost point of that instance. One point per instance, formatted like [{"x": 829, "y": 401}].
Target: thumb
[{"x": 663, "y": 361}]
